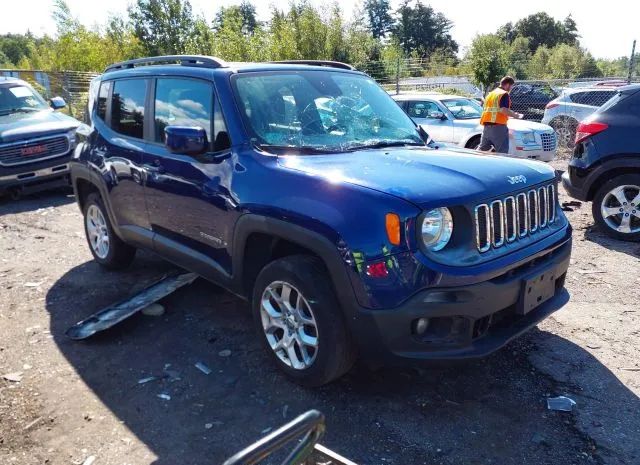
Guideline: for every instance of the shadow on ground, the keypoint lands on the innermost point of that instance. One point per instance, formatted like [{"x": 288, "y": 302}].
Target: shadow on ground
[
  {"x": 594, "y": 234},
  {"x": 491, "y": 411},
  {"x": 32, "y": 202}
]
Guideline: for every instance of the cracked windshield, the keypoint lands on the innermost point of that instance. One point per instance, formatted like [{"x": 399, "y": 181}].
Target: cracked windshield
[{"x": 316, "y": 112}]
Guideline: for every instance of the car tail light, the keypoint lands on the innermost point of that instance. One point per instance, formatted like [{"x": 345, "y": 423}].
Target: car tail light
[
  {"x": 589, "y": 129},
  {"x": 551, "y": 105}
]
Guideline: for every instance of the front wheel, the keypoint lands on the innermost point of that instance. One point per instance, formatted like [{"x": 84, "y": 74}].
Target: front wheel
[
  {"x": 616, "y": 207},
  {"x": 300, "y": 322}
]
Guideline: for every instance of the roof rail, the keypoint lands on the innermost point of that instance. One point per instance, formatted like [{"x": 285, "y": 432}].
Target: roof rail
[
  {"x": 200, "y": 61},
  {"x": 328, "y": 63}
]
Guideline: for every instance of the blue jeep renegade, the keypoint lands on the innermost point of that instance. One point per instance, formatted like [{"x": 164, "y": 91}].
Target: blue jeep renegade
[
  {"x": 305, "y": 189},
  {"x": 35, "y": 141}
]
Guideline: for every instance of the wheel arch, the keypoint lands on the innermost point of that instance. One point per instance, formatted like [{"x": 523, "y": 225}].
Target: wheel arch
[
  {"x": 258, "y": 240},
  {"x": 610, "y": 170}
]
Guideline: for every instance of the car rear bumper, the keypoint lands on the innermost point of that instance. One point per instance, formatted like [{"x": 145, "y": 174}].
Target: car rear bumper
[
  {"x": 574, "y": 191},
  {"x": 463, "y": 322}
]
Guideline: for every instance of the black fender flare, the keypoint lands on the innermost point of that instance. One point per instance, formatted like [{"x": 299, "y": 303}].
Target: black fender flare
[
  {"x": 602, "y": 172},
  {"x": 328, "y": 250}
]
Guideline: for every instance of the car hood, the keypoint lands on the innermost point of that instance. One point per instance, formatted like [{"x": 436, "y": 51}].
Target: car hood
[
  {"x": 18, "y": 126},
  {"x": 526, "y": 125},
  {"x": 426, "y": 177}
]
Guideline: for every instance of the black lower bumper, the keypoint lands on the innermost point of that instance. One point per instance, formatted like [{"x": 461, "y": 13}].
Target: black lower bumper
[
  {"x": 574, "y": 191},
  {"x": 462, "y": 322}
]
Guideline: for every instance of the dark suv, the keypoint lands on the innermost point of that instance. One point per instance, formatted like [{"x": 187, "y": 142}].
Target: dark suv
[
  {"x": 305, "y": 189},
  {"x": 36, "y": 142},
  {"x": 605, "y": 167}
]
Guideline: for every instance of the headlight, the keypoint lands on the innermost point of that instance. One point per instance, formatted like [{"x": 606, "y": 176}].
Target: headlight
[
  {"x": 529, "y": 138},
  {"x": 437, "y": 227},
  {"x": 72, "y": 138}
]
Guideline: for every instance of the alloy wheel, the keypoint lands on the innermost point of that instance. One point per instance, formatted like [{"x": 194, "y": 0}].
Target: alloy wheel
[
  {"x": 620, "y": 209},
  {"x": 97, "y": 231},
  {"x": 289, "y": 325}
]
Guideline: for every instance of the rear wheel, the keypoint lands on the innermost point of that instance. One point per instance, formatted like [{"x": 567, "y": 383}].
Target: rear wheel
[
  {"x": 300, "y": 321},
  {"x": 106, "y": 247},
  {"x": 565, "y": 129},
  {"x": 616, "y": 207},
  {"x": 473, "y": 143}
]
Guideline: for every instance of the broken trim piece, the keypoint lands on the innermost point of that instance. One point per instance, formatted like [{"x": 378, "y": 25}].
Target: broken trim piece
[{"x": 114, "y": 314}]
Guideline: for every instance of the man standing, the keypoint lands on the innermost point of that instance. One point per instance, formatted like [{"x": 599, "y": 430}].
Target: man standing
[{"x": 496, "y": 113}]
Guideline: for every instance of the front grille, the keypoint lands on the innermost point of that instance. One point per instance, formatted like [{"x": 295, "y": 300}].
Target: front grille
[
  {"x": 18, "y": 153},
  {"x": 548, "y": 141},
  {"x": 504, "y": 221}
]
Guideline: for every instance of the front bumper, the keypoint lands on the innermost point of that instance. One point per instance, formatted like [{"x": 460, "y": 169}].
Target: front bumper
[
  {"x": 37, "y": 174},
  {"x": 464, "y": 322}
]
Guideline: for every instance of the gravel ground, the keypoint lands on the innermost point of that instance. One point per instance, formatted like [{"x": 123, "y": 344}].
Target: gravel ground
[{"x": 67, "y": 401}]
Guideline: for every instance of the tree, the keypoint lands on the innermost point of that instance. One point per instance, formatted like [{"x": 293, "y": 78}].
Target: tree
[
  {"x": 379, "y": 16},
  {"x": 541, "y": 29},
  {"x": 570, "y": 31},
  {"x": 422, "y": 30},
  {"x": 164, "y": 27},
  {"x": 538, "y": 65},
  {"x": 245, "y": 12},
  {"x": 487, "y": 59},
  {"x": 570, "y": 62},
  {"x": 519, "y": 57}
]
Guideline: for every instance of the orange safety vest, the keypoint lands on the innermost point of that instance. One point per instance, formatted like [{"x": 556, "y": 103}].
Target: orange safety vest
[{"x": 491, "y": 112}]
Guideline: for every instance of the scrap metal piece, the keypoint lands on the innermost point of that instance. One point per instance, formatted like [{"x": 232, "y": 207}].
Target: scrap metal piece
[{"x": 114, "y": 314}]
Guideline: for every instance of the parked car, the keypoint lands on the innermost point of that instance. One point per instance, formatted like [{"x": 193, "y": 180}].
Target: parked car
[
  {"x": 454, "y": 119},
  {"x": 531, "y": 99},
  {"x": 303, "y": 188},
  {"x": 605, "y": 167},
  {"x": 36, "y": 141},
  {"x": 572, "y": 106}
]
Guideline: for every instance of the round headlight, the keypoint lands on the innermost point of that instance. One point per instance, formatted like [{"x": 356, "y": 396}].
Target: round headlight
[{"x": 437, "y": 227}]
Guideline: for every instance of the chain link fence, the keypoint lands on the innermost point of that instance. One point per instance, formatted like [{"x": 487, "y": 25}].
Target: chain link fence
[{"x": 73, "y": 86}]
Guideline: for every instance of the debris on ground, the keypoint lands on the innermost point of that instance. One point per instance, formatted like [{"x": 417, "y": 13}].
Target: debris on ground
[
  {"x": 153, "y": 310},
  {"x": 561, "y": 403},
  {"x": 114, "y": 314},
  {"x": 224, "y": 353},
  {"x": 38, "y": 284},
  {"x": 89, "y": 460},
  {"x": 589, "y": 271},
  {"x": 147, "y": 379},
  {"x": 13, "y": 377},
  {"x": 566, "y": 206},
  {"x": 164, "y": 396},
  {"x": 203, "y": 368}
]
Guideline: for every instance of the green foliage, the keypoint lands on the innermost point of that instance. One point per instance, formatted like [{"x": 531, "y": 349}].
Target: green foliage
[
  {"x": 541, "y": 29},
  {"x": 163, "y": 26},
  {"x": 379, "y": 17},
  {"x": 568, "y": 62},
  {"x": 488, "y": 59}
]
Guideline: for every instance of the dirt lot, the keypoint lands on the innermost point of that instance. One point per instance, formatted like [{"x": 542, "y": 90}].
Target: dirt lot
[{"x": 71, "y": 400}]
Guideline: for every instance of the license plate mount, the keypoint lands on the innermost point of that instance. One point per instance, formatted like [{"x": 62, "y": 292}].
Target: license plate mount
[{"x": 536, "y": 290}]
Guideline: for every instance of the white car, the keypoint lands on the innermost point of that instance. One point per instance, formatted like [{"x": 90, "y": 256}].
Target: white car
[
  {"x": 454, "y": 119},
  {"x": 572, "y": 106}
]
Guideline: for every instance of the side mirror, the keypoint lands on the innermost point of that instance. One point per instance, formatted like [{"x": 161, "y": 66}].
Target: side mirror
[
  {"x": 437, "y": 115},
  {"x": 186, "y": 140},
  {"x": 57, "y": 103}
]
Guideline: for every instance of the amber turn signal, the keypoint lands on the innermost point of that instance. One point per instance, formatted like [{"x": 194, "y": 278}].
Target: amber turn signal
[{"x": 392, "y": 222}]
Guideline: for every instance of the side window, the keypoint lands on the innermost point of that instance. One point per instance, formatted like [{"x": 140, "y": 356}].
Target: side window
[
  {"x": 600, "y": 98},
  {"x": 578, "y": 97},
  {"x": 182, "y": 102},
  {"x": 127, "y": 107},
  {"x": 103, "y": 95},
  {"x": 421, "y": 109}
]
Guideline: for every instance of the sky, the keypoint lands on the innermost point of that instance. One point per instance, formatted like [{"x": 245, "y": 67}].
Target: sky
[{"x": 607, "y": 31}]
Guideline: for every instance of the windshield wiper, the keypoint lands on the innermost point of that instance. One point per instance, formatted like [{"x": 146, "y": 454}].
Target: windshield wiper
[
  {"x": 301, "y": 149},
  {"x": 19, "y": 110},
  {"x": 384, "y": 144}
]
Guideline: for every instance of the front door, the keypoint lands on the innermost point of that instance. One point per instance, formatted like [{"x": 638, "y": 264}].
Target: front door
[
  {"x": 430, "y": 116},
  {"x": 188, "y": 197}
]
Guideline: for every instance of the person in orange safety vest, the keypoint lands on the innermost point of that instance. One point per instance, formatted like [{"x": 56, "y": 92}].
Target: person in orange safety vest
[{"x": 496, "y": 113}]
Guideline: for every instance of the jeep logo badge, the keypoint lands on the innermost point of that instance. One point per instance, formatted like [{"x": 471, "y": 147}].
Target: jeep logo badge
[{"x": 517, "y": 179}]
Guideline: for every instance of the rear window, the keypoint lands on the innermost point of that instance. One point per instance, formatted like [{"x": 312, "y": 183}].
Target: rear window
[
  {"x": 592, "y": 98},
  {"x": 617, "y": 96},
  {"x": 127, "y": 107}
]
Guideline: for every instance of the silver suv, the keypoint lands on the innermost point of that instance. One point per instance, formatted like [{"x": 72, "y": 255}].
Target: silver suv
[{"x": 572, "y": 106}]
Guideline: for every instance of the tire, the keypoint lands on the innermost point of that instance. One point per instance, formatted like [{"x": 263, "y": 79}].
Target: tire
[
  {"x": 610, "y": 199},
  {"x": 473, "y": 143},
  {"x": 565, "y": 129},
  {"x": 316, "y": 312},
  {"x": 115, "y": 255}
]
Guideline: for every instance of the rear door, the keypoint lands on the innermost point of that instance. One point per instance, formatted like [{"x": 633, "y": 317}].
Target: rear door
[
  {"x": 188, "y": 197},
  {"x": 117, "y": 152}
]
